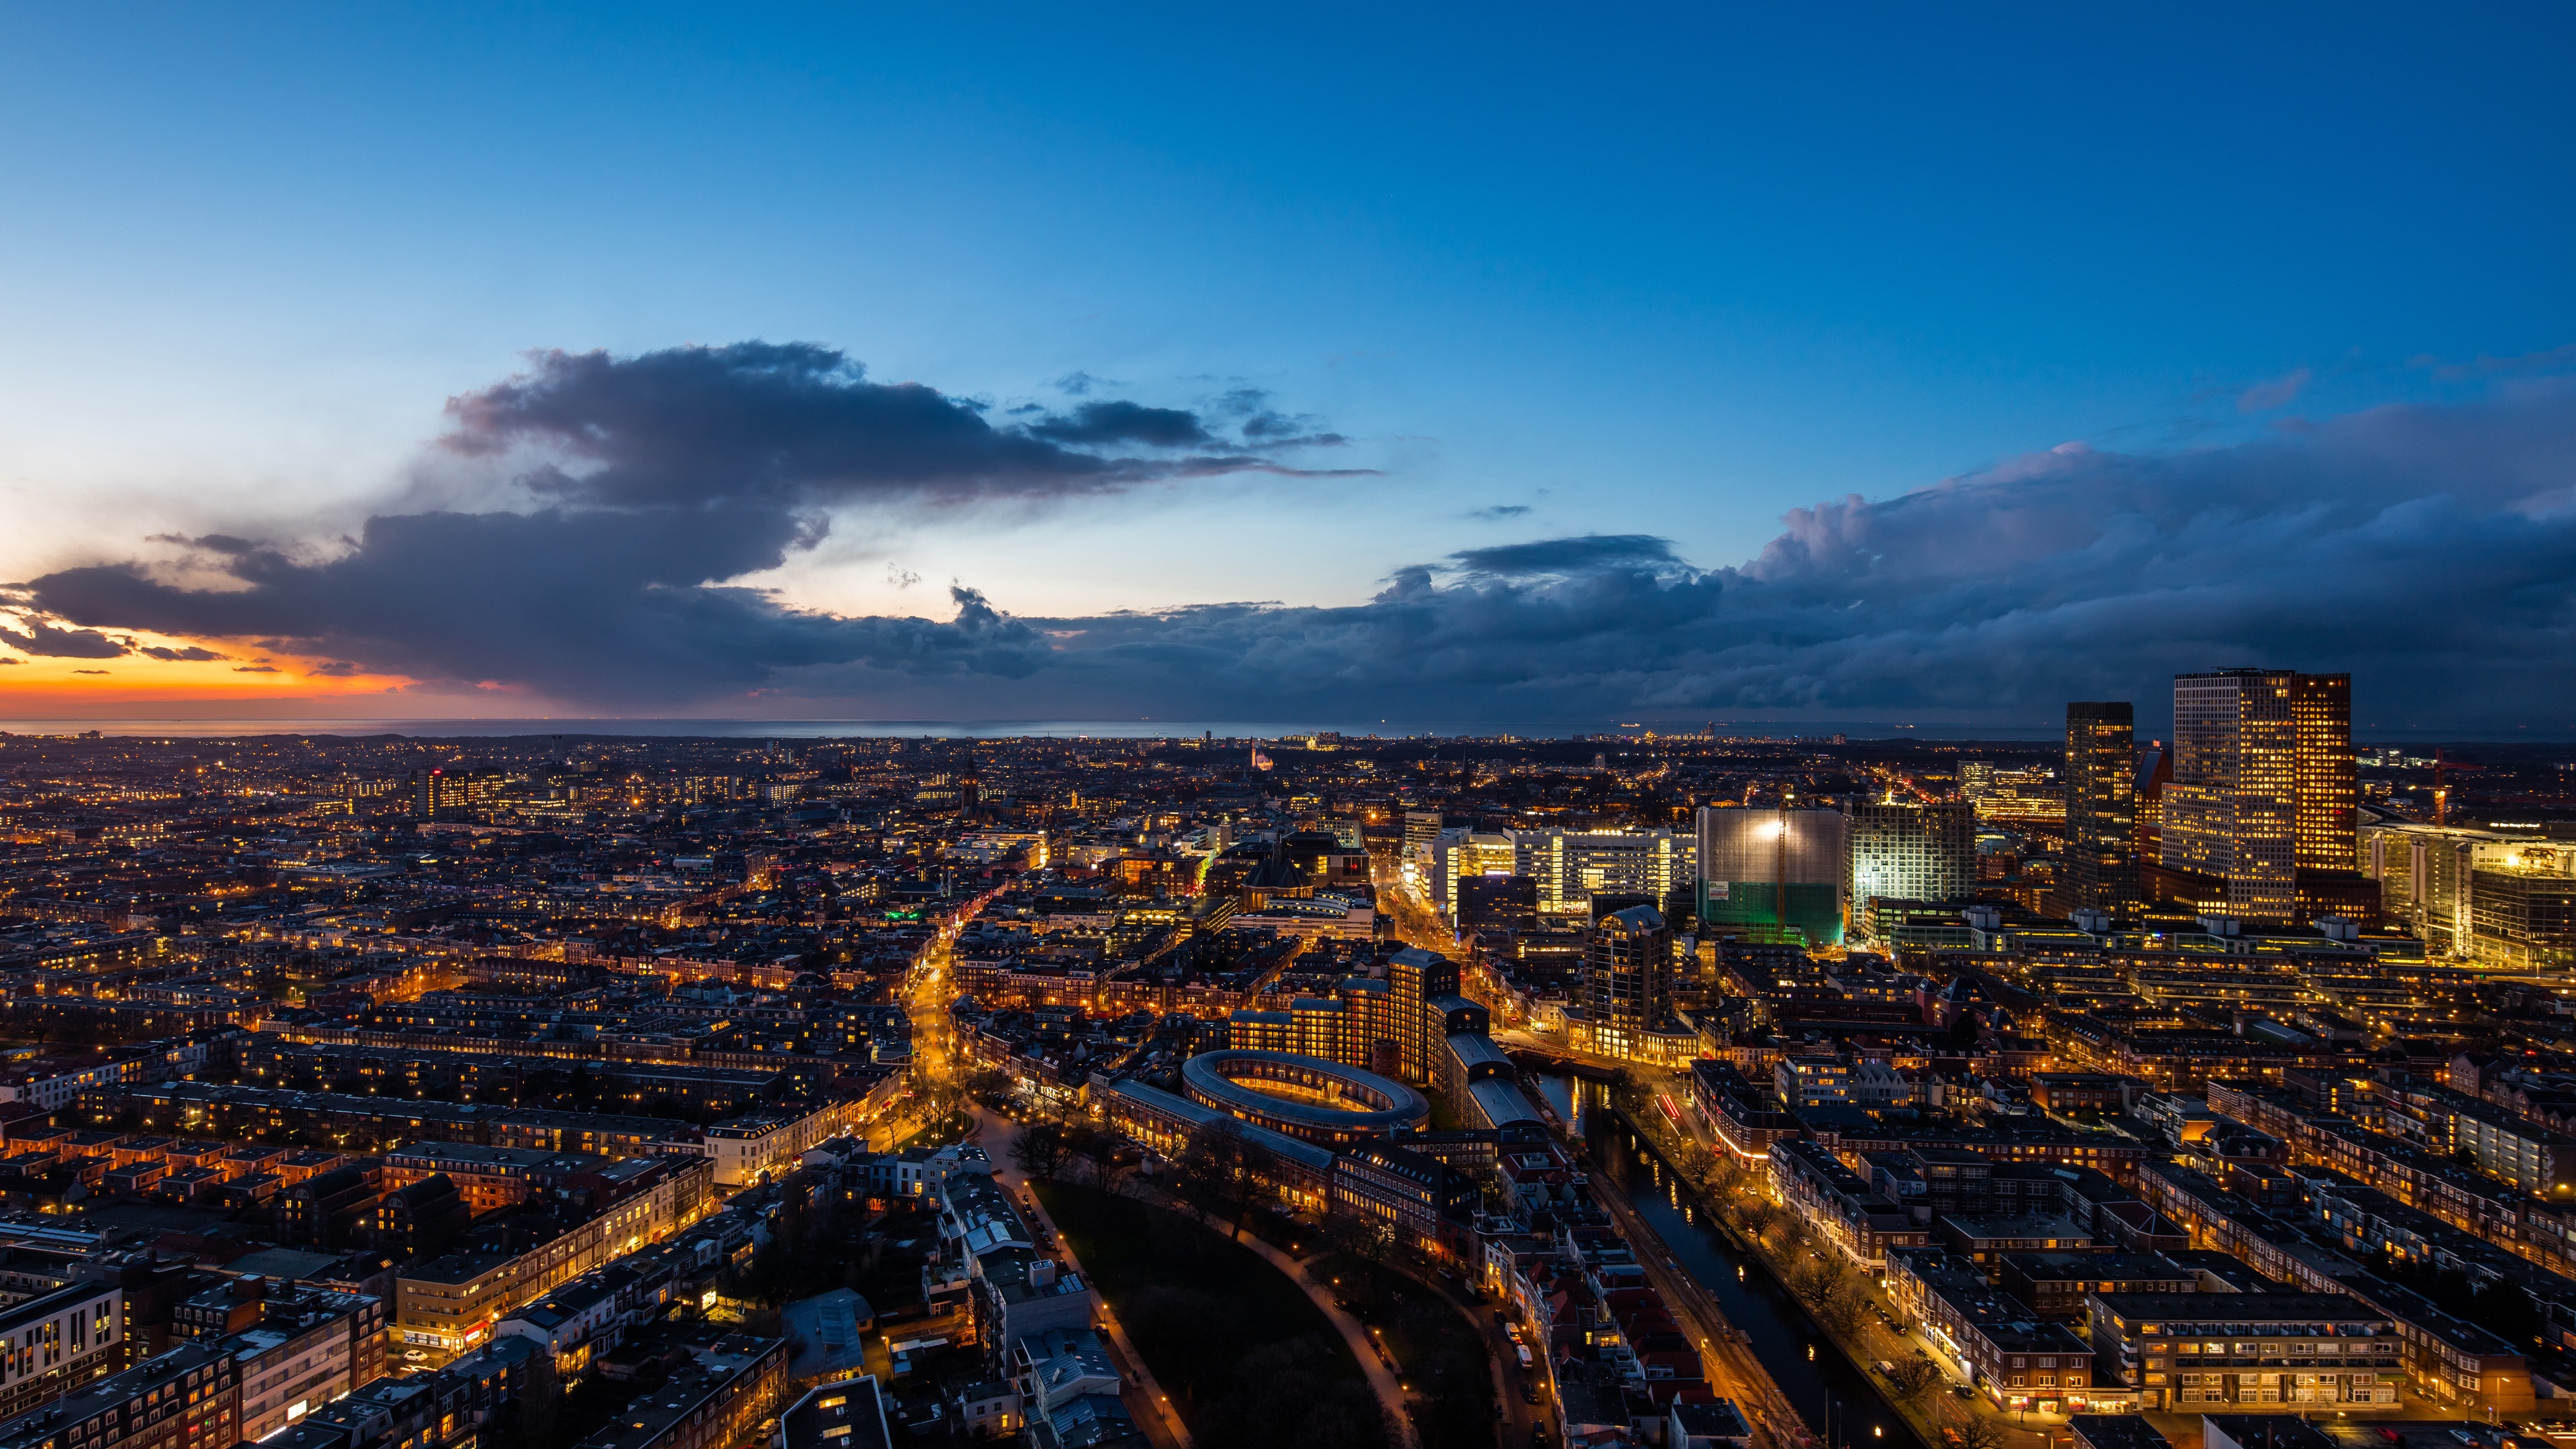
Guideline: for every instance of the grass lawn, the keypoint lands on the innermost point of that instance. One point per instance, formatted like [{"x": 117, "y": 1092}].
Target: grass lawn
[
  {"x": 1248, "y": 1359},
  {"x": 1437, "y": 1352}
]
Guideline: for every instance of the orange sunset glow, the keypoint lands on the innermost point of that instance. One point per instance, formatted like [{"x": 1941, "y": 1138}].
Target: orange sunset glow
[{"x": 35, "y": 685}]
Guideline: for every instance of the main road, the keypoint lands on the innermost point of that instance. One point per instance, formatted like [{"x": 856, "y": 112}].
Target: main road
[
  {"x": 1416, "y": 923},
  {"x": 934, "y": 1063}
]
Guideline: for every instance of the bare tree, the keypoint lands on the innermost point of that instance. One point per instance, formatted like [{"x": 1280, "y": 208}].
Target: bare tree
[
  {"x": 1795, "y": 1232},
  {"x": 1977, "y": 1431},
  {"x": 1369, "y": 1239},
  {"x": 1755, "y": 1215},
  {"x": 1693, "y": 1163},
  {"x": 1253, "y": 1168},
  {"x": 1040, "y": 1150},
  {"x": 1911, "y": 1378},
  {"x": 1212, "y": 1166},
  {"x": 1821, "y": 1282},
  {"x": 1726, "y": 1176}
]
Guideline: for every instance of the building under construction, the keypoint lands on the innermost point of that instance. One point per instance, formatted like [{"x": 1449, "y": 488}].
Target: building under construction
[{"x": 1772, "y": 874}]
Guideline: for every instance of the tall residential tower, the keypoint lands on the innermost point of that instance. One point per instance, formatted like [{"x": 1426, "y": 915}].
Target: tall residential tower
[
  {"x": 1628, "y": 979},
  {"x": 1910, "y": 852}
]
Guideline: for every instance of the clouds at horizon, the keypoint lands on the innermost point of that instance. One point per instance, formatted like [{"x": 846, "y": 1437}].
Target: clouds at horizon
[
  {"x": 654, "y": 480},
  {"x": 2430, "y": 550}
]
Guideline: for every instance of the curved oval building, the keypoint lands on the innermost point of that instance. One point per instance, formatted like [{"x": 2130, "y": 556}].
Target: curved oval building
[{"x": 1305, "y": 1097}]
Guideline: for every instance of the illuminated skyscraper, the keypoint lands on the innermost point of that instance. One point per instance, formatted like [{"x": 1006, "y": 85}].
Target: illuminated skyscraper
[
  {"x": 2321, "y": 705},
  {"x": 2101, "y": 775},
  {"x": 1415, "y": 977},
  {"x": 2262, "y": 786}
]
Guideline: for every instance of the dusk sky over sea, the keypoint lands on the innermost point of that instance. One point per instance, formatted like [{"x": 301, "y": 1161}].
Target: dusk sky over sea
[{"x": 1315, "y": 366}]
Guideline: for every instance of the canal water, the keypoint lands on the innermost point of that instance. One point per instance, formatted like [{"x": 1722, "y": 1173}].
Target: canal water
[{"x": 1805, "y": 1363}]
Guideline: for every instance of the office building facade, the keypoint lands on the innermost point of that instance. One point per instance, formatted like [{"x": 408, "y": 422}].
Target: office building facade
[
  {"x": 2427, "y": 877},
  {"x": 1496, "y": 903},
  {"x": 2321, "y": 707},
  {"x": 1573, "y": 866},
  {"x": 2522, "y": 910},
  {"x": 2262, "y": 787},
  {"x": 2101, "y": 871},
  {"x": 1460, "y": 855}
]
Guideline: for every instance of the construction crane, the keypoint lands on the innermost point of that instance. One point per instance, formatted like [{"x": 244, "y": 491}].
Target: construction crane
[{"x": 2441, "y": 789}]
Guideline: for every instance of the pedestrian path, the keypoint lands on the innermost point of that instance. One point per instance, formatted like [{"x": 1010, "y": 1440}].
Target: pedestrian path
[{"x": 1382, "y": 1380}]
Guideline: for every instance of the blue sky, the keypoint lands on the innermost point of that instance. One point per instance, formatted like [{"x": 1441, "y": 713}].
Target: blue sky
[{"x": 1649, "y": 272}]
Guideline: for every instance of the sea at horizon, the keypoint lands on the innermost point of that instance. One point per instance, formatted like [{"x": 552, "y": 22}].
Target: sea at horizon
[{"x": 144, "y": 727}]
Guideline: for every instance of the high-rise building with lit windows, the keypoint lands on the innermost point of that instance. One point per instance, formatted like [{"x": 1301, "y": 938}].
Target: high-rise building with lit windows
[
  {"x": 1458, "y": 855},
  {"x": 2262, "y": 788},
  {"x": 1910, "y": 852},
  {"x": 2101, "y": 870},
  {"x": 1628, "y": 978},
  {"x": 2321, "y": 706},
  {"x": 1573, "y": 866}
]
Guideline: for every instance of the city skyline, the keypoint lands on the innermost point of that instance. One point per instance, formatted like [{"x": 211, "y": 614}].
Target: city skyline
[
  {"x": 388, "y": 1092},
  {"x": 825, "y": 727},
  {"x": 807, "y": 370}
]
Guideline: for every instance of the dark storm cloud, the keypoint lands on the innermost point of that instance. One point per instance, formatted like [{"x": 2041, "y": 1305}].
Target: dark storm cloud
[
  {"x": 2431, "y": 551},
  {"x": 192, "y": 653},
  {"x": 663, "y": 476},
  {"x": 621, "y": 607},
  {"x": 793, "y": 425},
  {"x": 1566, "y": 555},
  {"x": 1101, "y": 423},
  {"x": 54, "y": 642}
]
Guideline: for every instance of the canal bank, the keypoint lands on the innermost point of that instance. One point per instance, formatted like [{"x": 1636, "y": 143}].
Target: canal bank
[{"x": 1835, "y": 1397}]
